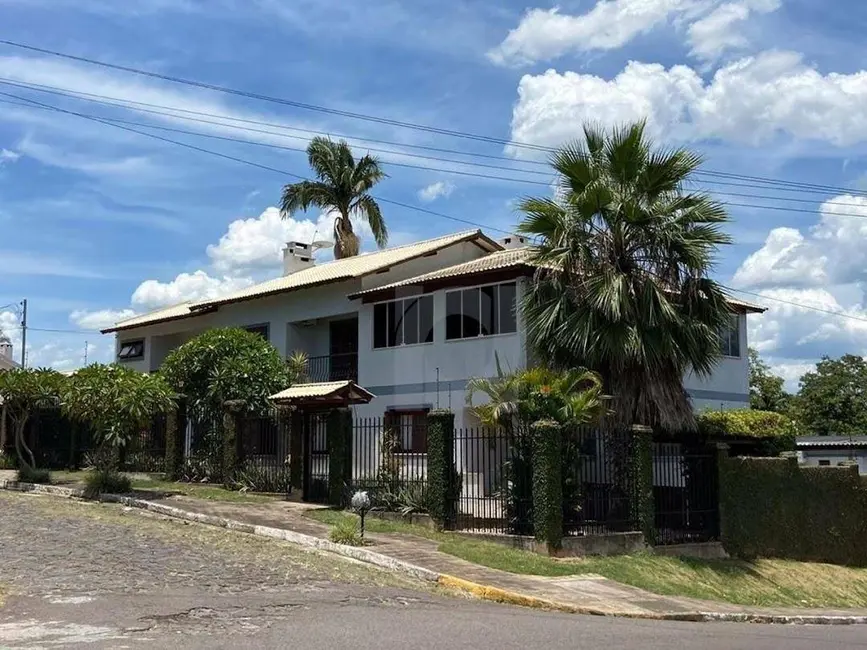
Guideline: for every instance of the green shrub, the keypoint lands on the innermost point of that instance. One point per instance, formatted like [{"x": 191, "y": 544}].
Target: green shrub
[
  {"x": 254, "y": 478},
  {"x": 106, "y": 482},
  {"x": 548, "y": 482},
  {"x": 346, "y": 532},
  {"x": 778, "y": 431},
  {"x": 33, "y": 475},
  {"x": 7, "y": 461},
  {"x": 409, "y": 499}
]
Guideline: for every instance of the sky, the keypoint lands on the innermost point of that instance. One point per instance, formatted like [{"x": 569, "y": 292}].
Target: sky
[{"x": 99, "y": 222}]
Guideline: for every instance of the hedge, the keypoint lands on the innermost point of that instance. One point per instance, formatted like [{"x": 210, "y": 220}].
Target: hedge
[
  {"x": 771, "y": 507},
  {"x": 776, "y": 431},
  {"x": 442, "y": 477},
  {"x": 641, "y": 461},
  {"x": 175, "y": 434},
  {"x": 548, "y": 482},
  {"x": 338, "y": 428},
  {"x": 231, "y": 440}
]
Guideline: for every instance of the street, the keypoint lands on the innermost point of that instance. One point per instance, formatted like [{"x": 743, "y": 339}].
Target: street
[{"x": 99, "y": 576}]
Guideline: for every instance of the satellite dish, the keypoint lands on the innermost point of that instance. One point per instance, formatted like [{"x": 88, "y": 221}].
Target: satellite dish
[{"x": 322, "y": 243}]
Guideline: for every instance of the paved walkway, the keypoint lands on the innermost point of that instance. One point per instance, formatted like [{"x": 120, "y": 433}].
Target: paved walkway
[{"x": 586, "y": 592}]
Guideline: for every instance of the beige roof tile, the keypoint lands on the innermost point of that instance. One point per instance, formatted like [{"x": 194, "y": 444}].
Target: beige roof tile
[
  {"x": 337, "y": 389},
  {"x": 172, "y": 312}
]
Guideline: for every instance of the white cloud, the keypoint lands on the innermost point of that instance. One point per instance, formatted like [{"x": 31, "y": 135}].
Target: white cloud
[
  {"x": 752, "y": 100},
  {"x": 791, "y": 370},
  {"x": 787, "y": 259},
  {"x": 434, "y": 191},
  {"x": 196, "y": 286},
  {"x": 547, "y": 34},
  {"x": 130, "y": 166},
  {"x": 26, "y": 263},
  {"x": 100, "y": 319},
  {"x": 724, "y": 29},
  {"x": 8, "y": 156}
]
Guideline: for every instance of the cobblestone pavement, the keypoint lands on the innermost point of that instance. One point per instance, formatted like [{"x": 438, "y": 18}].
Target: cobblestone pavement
[{"x": 81, "y": 575}]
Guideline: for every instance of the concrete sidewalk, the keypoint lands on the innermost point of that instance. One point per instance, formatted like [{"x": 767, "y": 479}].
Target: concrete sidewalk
[{"x": 582, "y": 593}]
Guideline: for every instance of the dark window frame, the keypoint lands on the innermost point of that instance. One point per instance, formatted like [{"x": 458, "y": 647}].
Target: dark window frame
[
  {"x": 730, "y": 342},
  {"x": 262, "y": 329},
  {"x": 417, "y": 428},
  {"x": 129, "y": 356},
  {"x": 495, "y": 309},
  {"x": 394, "y": 312}
]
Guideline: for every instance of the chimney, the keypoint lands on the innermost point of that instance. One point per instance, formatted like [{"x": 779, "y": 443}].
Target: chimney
[
  {"x": 5, "y": 346},
  {"x": 297, "y": 257},
  {"x": 513, "y": 241}
]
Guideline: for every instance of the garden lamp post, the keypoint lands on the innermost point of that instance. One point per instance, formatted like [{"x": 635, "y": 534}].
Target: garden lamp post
[{"x": 361, "y": 504}]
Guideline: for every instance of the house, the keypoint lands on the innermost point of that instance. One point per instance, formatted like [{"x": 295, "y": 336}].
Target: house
[
  {"x": 410, "y": 324},
  {"x": 830, "y": 451}
]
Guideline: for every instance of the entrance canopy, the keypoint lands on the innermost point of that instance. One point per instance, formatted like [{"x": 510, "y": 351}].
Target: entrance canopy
[{"x": 323, "y": 394}]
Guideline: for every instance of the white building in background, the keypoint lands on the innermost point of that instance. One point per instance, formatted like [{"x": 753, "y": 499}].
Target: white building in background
[
  {"x": 7, "y": 361},
  {"x": 411, "y": 324}
]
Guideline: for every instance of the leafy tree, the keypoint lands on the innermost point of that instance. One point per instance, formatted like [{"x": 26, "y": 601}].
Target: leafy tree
[
  {"x": 226, "y": 364},
  {"x": 766, "y": 388},
  {"x": 833, "y": 398},
  {"x": 117, "y": 401},
  {"x": 624, "y": 253},
  {"x": 23, "y": 392},
  {"x": 343, "y": 185}
]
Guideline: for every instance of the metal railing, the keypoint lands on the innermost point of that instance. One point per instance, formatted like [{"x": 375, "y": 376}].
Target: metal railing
[{"x": 333, "y": 367}]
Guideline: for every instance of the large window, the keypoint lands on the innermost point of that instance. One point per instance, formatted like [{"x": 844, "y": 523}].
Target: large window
[
  {"x": 731, "y": 337},
  {"x": 410, "y": 427},
  {"x": 131, "y": 350},
  {"x": 481, "y": 311},
  {"x": 262, "y": 330},
  {"x": 403, "y": 322}
]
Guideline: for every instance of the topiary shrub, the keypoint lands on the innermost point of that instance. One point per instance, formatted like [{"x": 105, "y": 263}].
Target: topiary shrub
[
  {"x": 776, "y": 431},
  {"x": 548, "y": 482},
  {"x": 106, "y": 481},
  {"x": 32, "y": 475}
]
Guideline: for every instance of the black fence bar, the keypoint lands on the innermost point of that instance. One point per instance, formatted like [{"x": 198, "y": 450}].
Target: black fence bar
[
  {"x": 333, "y": 367},
  {"x": 264, "y": 454},
  {"x": 686, "y": 494}
]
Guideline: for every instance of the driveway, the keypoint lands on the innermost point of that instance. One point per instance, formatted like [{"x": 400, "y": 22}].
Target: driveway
[{"x": 98, "y": 576}]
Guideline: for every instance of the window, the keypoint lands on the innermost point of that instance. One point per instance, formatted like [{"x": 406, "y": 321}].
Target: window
[
  {"x": 481, "y": 311},
  {"x": 824, "y": 463},
  {"x": 131, "y": 350},
  {"x": 261, "y": 330},
  {"x": 411, "y": 426},
  {"x": 731, "y": 337},
  {"x": 403, "y": 322}
]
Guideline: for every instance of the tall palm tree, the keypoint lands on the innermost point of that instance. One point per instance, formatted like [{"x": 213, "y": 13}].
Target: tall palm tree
[
  {"x": 625, "y": 248},
  {"x": 342, "y": 185}
]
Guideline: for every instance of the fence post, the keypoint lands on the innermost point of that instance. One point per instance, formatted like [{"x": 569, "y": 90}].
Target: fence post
[
  {"x": 338, "y": 434},
  {"x": 441, "y": 474},
  {"x": 548, "y": 482},
  {"x": 296, "y": 449},
  {"x": 231, "y": 439},
  {"x": 643, "y": 510},
  {"x": 175, "y": 434}
]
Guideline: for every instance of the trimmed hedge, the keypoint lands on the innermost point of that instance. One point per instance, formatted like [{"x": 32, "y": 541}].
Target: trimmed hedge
[
  {"x": 175, "y": 432},
  {"x": 338, "y": 428},
  {"x": 548, "y": 482},
  {"x": 776, "y": 432},
  {"x": 441, "y": 474},
  {"x": 642, "y": 502},
  {"x": 771, "y": 507}
]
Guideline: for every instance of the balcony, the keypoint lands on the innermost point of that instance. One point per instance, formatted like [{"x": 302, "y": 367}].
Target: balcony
[{"x": 333, "y": 367}]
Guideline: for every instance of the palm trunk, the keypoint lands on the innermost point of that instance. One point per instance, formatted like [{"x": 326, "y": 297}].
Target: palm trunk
[
  {"x": 346, "y": 243},
  {"x": 21, "y": 445}
]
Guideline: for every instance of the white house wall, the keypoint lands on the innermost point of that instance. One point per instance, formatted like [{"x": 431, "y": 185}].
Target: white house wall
[
  {"x": 811, "y": 457},
  {"x": 728, "y": 386}
]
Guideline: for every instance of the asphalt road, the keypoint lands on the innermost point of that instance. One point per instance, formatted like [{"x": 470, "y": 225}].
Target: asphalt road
[{"x": 89, "y": 576}]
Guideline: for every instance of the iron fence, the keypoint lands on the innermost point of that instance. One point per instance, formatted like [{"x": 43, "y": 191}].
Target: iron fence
[
  {"x": 685, "y": 494},
  {"x": 333, "y": 367},
  {"x": 146, "y": 450},
  {"x": 263, "y": 444}
]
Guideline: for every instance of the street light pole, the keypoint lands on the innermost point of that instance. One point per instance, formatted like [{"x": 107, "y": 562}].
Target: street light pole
[{"x": 24, "y": 333}]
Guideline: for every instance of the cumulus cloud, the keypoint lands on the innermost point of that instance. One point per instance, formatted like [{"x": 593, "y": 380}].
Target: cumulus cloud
[
  {"x": 547, "y": 34},
  {"x": 723, "y": 28},
  {"x": 434, "y": 191},
  {"x": 7, "y": 156},
  {"x": 752, "y": 101},
  {"x": 152, "y": 294},
  {"x": 100, "y": 319}
]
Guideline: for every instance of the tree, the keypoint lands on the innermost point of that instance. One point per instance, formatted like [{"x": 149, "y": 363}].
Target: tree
[
  {"x": 117, "y": 401},
  {"x": 833, "y": 398},
  {"x": 624, "y": 250},
  {"x": 23, "y": 392},
  {"x": 226, "y": 364},
  {"x": 343, "y": 186},
  {"x": 766, "y": 388}
]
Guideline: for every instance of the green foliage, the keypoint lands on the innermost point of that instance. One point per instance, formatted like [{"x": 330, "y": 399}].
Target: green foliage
[
  {"x": 547, "y": 482},
  {"x": 33, "y": 475},
  {"x": 346, "y": 532},
  {"x": 23, "y": 392},
  {"x": 389, "y": 462},
  {"x": 770, "y": 507},
  {"x": 106, "y": 481},
  {"x": 442, "y": 477},
  {"x": 227, "y": 364},
  {"x": 339, "y": 439},
  {"x": 625, "y": 249},
  {"x": 251, "y": 477},
  {"x": 409, "y": 499},
  {"x": 642, "y": 502},
  {"x": 766, "y": 388},
  {"x": 175, "y": 433},
  {"x": 231, "y": 442},
  {"x": 117, "y": 401},
  {"x": 833, "y": 398},
  {"x": 201, "y": 468},
  {"x": 343, "y": 185},
  {"x": 775, "y": 431},
  {"x": 7, "y": 461}
]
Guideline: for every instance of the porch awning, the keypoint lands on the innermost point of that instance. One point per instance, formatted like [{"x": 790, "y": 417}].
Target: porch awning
[{"x": 328, "y": 393}]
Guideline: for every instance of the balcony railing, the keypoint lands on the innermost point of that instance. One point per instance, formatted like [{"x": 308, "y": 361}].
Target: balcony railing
[{"x": 333, "y": 367}]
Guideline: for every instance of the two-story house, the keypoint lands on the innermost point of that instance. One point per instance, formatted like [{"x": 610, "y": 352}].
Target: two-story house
[{"x": 410, "y": 324}]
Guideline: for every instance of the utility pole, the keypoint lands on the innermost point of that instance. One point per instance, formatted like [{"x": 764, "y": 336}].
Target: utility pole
[
  {"x": 85, "y": 353},
  {"x": 24, "y": 333}
]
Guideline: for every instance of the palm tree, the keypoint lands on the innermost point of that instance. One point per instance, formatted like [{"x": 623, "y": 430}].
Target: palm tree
[
  {"x": 342, "y": 185},
  {"x": 622, "y": 288}
]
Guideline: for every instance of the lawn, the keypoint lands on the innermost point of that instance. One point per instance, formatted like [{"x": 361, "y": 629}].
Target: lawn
[
  {"x": 764, "y": 583},
  {"x": 155, "y": 483}
]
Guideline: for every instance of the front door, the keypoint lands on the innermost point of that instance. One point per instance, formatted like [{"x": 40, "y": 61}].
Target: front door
[{"x": 343, "y": 335}]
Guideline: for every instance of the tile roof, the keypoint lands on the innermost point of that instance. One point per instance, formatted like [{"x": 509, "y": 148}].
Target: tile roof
[
  {"x": 328, "y": 389},
  {"x": 516, "y": 257},
  {"x": 335, "y": 271},
  {"x": 830, "y": 442}
]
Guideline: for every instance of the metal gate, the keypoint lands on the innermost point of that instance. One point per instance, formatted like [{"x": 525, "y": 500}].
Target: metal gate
[{"x": 315, "y": 453}]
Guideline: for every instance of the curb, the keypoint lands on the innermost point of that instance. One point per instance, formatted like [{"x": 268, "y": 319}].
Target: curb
[{"x": 483, "y": 592}]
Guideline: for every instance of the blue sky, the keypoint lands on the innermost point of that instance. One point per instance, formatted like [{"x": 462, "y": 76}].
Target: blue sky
[{"x": 96, "y": 222}]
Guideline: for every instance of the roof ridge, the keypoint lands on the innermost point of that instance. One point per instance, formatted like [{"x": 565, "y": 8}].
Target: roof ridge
[
  {"x": 155, "y": 310},
  {"x": 461, "y": 233}
]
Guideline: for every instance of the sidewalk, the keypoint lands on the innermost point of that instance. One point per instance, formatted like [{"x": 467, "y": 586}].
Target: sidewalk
[{"x": 583, "y": 594}]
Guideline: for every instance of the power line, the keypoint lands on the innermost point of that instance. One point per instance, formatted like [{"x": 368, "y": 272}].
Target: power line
[{"x": 778, "y": 185}]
